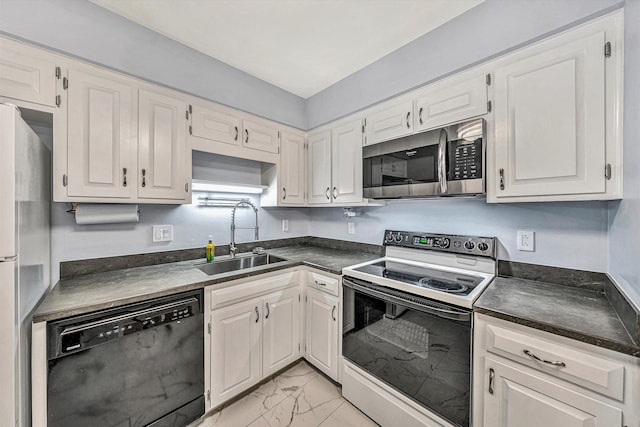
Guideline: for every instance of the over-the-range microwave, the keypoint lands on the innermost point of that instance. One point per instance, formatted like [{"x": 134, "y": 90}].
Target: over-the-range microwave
[{"x": 449, "y": 161}]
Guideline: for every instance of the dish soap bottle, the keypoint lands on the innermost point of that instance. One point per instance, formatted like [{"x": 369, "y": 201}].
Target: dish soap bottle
[{"x": 210, "y": 249}]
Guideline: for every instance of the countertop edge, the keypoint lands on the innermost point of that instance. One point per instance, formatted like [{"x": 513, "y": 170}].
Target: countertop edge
[{"x": 557, "y": 330}]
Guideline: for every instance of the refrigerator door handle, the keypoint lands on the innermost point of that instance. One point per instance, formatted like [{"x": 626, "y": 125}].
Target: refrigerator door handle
[{"x": 8, "y": 258}]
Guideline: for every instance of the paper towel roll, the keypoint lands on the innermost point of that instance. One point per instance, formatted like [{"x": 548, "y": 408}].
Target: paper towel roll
[{"x": 97, "y": 213}]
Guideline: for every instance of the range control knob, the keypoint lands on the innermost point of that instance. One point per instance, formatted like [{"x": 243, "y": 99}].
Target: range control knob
[
  {"x": 483, "y": 246},
  {"x": 469, "y": 245},
  {"x": 442, "y": 242},
  {"x": 388, "y": 237},
  {"x": 398, "y": 238}
]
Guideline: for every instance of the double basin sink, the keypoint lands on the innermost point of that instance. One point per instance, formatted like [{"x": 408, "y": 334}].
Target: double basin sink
[{"x": 240, "y": 262}]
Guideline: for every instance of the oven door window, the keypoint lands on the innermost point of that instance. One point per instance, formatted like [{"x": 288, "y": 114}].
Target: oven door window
[{"x": 423, "y": 355}]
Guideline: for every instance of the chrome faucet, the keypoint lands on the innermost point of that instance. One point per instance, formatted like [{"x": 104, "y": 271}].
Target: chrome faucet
[{"x": 232, "y": 244}]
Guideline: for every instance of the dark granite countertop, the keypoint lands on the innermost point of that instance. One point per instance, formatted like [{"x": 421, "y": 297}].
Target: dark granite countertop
[
  {"x": 579, "y": 313},
  {"x": 96, "y": 291}
]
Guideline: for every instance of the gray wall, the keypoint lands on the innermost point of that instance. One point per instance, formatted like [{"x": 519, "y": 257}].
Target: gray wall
[
  {"x": 85, "y": 30},
  {"x": 624, "y": 215},
  {"x": 487, "y": 30}
]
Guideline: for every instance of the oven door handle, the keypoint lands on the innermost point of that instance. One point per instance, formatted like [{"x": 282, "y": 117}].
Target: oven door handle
[
  {"x": 442, "y": 161},
  {"x": 413, "y": 303}
]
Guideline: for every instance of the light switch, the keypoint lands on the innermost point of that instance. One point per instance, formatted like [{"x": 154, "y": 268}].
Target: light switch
[{"x": 162, "y": 233}]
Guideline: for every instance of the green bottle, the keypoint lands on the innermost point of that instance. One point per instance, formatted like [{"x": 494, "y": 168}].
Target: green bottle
[{"x": 210, "y": 249}]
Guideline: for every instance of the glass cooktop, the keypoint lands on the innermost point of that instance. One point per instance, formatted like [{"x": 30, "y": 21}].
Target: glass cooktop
[{"x": 430, "y": 278}]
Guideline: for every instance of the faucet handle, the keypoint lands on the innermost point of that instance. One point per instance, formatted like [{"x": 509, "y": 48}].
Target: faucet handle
[{"x": 259, "y": 250}]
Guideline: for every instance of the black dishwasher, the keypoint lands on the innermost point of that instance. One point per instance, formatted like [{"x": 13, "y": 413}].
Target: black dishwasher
[{"x": 135, "y": 365}]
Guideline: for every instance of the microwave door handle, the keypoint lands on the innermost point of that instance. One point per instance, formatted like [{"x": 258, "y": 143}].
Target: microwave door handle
[{"x": 442, "y": 158}]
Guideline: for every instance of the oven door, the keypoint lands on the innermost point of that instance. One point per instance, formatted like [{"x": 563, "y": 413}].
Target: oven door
[{"x": 420, "y": 347}]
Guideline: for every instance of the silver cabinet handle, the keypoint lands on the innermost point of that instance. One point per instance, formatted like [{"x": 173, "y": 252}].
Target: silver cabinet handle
[
  {"x": 548, "y": 362},
  {"x": 284, "y": 193},
  {"x": 266, "y": 316},
  {"x": 408, "y": 115},
  {"x": 320, "y": 283},
  {"x": 124, "y": 177},
  {"x": 335, "y": 193},
  {"x": 501, "y": 172},
  {"x": 420, "y": 114},
  {"x": 186, "y": 187},
  {"x": 257, "y": 315},
  {"x": 236, "y": 138},
  {"x": 492, "y": 375},
  {"x": 326, "y": 193},
  {"x": 333, "y": 313},
  {"x": 144, "y": 178},
  {"x": 246, "y": 132}
]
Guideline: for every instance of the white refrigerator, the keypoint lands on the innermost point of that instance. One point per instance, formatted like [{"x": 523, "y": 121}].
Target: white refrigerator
[{"x": 25, "y": 206}]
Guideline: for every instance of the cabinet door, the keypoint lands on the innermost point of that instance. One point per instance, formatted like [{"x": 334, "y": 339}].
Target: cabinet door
[
  {"x": 319, "y": 167},
  {"x": 291, "y": 169},
  {"x": 550, "y": 122},
  {"x": 100, "y": 122},
  {"x": 236, "y": 349},
  {"x": 521, "y": 399},
  {"x": 281, "y": 330},
  {"x": 346, "y": 170},
  {"x": 450, "y": 102},
  {"x": 394, "y": 122},
  {"x": 260, "y": 135},
  {"x": 322, "y": 332},
  {"x": 162, "y": 147},
  {"x": 218, "y": 124},
  {"x": 27, "y": 74}
]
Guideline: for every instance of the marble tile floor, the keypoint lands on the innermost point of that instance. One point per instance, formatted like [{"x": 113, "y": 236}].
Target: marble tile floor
[{"x": 300, "y": 396}]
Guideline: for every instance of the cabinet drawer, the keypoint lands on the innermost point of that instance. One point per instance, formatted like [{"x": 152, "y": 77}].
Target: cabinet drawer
[
  {"x": 588, "y": 370},
  {"x": 244, "y": 289},
  {"x": 323, "y": 282}
]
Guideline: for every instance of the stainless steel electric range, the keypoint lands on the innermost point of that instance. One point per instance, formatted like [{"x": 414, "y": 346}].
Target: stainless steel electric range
[{"x": 406, "y": 340}]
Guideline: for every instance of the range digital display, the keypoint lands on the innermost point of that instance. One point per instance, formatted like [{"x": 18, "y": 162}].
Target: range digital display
[{"x": 421, "y": 240}]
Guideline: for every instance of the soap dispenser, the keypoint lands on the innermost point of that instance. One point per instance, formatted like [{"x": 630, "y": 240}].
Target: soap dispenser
[{"x": 210, "y": 249}]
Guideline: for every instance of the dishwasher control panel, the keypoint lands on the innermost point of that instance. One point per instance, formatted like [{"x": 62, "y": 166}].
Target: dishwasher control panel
[{"x": 95, "y": 330}]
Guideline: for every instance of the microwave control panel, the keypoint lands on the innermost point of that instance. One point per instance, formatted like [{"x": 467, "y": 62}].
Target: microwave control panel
[{"x": 465, "y": 159}]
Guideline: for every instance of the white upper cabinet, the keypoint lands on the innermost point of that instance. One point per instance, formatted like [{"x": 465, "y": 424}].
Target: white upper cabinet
[
  {"x": 335, "y": 164},
  {"x": 162, "y": 148},
  {"x": 27, "y": 74},
  {"x": 100, "y": 124},
  {"x": 260, "y": 135},
  {"x": 216, "y": 124},
  {"x": 450, "y": 101},
  {"x": 292, "y": 171},
  {"x": 346, "y": 166},
  {"x": 319, "y": 167},
  {"x": 557, "y": 121},
  {"x": 392, "y": 122}
]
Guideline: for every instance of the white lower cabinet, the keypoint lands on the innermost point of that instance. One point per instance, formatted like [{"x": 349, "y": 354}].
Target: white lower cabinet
[
  {"x": 322, "y": 331},
  {"x": 570, "y": 384},
  {"x": 254, "y": 327}
]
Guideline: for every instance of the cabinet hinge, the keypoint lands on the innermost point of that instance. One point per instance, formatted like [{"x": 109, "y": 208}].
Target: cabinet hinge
[
  {"x": 489, "y": 105},
  {"x": 364, "y": 124},
  {"x": 209, "y": 328},
  {"x": 306, "y": 299},
  {"x": 58, "y": 73},
  {"x": 607, "y": 50},
  {"x": 208, "y": 394},
  {"x": 607, "y": 171},
  {"x": 488, "y": 79},
  {"x": 278, "y": 134},
  {"x": 65, "y": 83},
  {"x": 299, "y": 298},
  {"x": 190, "y": 109},
  {"x": 186, "y": 115},
  {"x": 190, "y": 130},
  {"x": 65, "y": 180},
  {"x": 58, "y": 100}
]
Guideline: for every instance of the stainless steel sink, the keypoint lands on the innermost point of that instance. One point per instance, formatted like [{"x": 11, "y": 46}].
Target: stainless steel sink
[{"x": 238, "y": 263}]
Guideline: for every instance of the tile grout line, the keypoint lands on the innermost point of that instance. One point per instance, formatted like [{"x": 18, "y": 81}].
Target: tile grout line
[{"x": 337, "y": 407}]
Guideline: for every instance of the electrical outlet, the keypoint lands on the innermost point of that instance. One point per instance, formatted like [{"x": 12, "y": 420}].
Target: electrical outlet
[
  {"x": 351, "y": 228},
  {"x": 162, "y": 233},
  {"x": 285, "y": 225},
  {"x": 526, "y": 240}
]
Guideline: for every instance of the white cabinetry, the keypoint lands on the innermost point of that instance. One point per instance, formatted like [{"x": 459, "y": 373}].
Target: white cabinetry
[
  {"x": 323, "y": 313},
  {"x": 260, "y": 135},
  {"x": 255, "y": 330},
  {"x": 392, "y": 122},
  {"x": 162, "y": 149},
  {"x": 452, "y": 100},
  {"x": 100, "y": 148},
  {"x": 28, "y": 74},
  {"x": 335, "y": 164},
  {"x": 524, "y": 377},
  {"x": 291, "y": 170},
  {"x": 557, "y": 118},
  {"x": 216, "y": 123}
]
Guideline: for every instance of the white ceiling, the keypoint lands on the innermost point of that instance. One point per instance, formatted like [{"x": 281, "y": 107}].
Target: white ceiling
[{"x": 302, "y": 46}]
